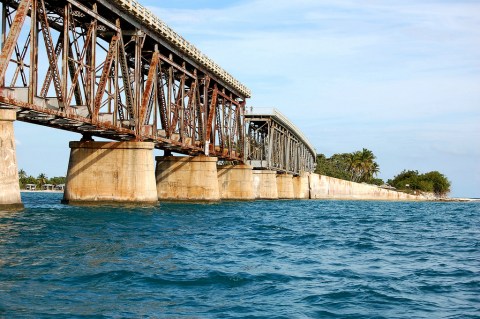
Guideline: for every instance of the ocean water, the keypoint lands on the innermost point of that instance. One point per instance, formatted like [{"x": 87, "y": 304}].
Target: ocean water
[{"x": 262, "y": 259}]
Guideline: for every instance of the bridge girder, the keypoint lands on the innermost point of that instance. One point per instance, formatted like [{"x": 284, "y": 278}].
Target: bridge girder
[{"x": 91, "y": 67}]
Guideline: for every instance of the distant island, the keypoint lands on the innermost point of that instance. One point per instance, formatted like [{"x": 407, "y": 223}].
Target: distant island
[
  {"x": 41, "y": 182},
  {"x": 361, "y": 167}
]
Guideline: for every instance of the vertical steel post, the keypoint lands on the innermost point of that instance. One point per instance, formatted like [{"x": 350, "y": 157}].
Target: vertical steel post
[
  {"x": 33, "y": 76},
  {"x": 156, "y": 105},
  {"x": 138, "y": 78},
  {"x": 116, "y": 87},
  {"x": 93, "y": 63},
  {"x": 4, "y": 25},
  {"x": 287, "y": 151},
  {"x": 182, "y": 108},
  {"x": 270, "y": 133},
  {"x": 66, "y": 47},
  {"x": 169, "y": 100}
]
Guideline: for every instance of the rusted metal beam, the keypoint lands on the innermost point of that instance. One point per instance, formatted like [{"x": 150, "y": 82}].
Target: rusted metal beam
[
  {"x": 127, "y": 84},
  {"x": 52, "y": 57},
  {"x": 75, "y": 72},
  {"x": 33, "y": 77},
  {"x": 148, "y": 87},
  {"x": 94, "y": 15},
  {"x": 12, "y": 38},
  {"x": 162, "y": 103},
  {"x": 48, "y": 76},
  {"x": 211, "y": 114},
  {"x": 107, "y": 67}
]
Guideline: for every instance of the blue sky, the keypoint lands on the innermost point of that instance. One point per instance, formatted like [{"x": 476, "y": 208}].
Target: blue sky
[{"x": 401, "y": 78}]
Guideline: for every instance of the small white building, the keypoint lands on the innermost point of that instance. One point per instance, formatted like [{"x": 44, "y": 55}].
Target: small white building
[
  {"x": 47, "y": 187},
  {"x": 30, "y": 187}
]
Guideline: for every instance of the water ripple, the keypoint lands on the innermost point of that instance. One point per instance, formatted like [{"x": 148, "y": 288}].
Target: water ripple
[{"x": 263, "y": 259}]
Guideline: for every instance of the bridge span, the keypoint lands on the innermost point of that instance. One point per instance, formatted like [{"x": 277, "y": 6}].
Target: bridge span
[
  {"x": 112, "y": 69},
  {"x": 273, "y": 142}
]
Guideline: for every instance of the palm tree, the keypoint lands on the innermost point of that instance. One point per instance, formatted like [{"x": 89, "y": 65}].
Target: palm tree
[
  {"x": 353, "y": 160},
  {"x": 362, "y": 165},
  {"x": 42, "y": 179},
  {"x": 22, "y": 174},
  {"x": 366, "y": 159}
]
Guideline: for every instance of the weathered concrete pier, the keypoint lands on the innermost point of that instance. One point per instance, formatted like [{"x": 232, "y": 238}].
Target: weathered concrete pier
[
  {"x": 235, "y": 182},
  {"x": 187, "y": 178},
  {"x": 285, "y": 186},
  {"x": 110, "y": 172},
  {"x": 265, "y": 184},
  {"x": 9, "y": 186}
]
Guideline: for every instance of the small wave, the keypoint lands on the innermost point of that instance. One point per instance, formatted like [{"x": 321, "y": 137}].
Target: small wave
[
  {"x": 106, "y": 276},
  {"x": 213, "y": 278}
]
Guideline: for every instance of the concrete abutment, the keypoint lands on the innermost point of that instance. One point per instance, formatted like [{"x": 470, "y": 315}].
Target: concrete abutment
[
  {"x": 9, "y": 185},
  {"x": 110, "y": 172}
]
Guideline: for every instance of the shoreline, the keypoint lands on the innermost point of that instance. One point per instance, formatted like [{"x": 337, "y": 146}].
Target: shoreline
[
  {"x": 452, "y": 199},
  {"x": 459, "y": 199}
]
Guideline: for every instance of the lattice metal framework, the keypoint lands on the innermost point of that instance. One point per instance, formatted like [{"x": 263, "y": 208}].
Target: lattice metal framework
[
  {"x": 113, "y": 69},
  {"x": 274, "y": 143}
]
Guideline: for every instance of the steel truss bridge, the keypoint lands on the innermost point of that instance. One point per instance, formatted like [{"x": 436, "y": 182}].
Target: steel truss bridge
[
  {"x": 112, "y": 69},
  {"x": 275, "y": 143}
]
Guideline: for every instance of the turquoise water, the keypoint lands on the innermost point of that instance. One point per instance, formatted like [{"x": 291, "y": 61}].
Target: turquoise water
[{"x": 263, "y": 259}]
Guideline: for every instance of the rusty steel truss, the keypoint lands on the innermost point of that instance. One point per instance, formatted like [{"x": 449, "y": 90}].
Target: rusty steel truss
[
  {"x": 109, "y": 68},
  {"x": 274, "y": 143}
]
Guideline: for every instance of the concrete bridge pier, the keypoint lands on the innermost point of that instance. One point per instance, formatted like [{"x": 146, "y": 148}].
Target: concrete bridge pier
[
  {"x": 301, "y": 186},
  {"x": 235, "y": 182},
  {"x": 265, "y": 184},
  {"x": 9, "y": 186},
  {"x": 110, "y": 172},
  {"x": 186, "y": 178},
  {"x": 285, "y": 186}
]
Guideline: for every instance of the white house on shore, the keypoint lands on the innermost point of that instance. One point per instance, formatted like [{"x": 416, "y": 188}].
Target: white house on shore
[{"x": 48, "y": 187}]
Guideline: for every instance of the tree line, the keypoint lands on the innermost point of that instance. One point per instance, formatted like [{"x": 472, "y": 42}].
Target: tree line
[
  {"x": 412, "y": 181},
  {"x": 38, "y": 181},
  {"x": 361, "y": 167}
]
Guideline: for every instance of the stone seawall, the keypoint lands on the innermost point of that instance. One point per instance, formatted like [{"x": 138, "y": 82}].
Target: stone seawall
[{"x": 325, "y": 187}]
